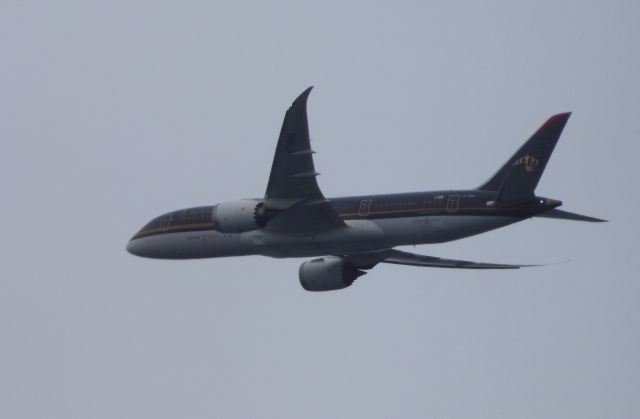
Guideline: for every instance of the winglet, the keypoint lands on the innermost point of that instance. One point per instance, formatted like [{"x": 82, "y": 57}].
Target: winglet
[{"x": 302, "y": 98}]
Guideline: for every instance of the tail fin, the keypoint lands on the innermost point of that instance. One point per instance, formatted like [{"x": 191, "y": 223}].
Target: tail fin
[{"x": 516, "y": 181}]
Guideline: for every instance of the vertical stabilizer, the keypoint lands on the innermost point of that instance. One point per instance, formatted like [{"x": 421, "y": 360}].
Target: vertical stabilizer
[{"x": 516, "y": 181}]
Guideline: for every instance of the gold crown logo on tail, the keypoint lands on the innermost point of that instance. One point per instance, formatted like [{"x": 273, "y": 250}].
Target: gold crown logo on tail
[{"x": 530, "y": 163}]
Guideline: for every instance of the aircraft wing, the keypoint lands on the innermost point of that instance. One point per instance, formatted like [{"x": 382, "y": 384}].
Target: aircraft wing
[
  {"x": 405, "y": 258},
  {"x": 292, "y": 191},
  {"x": 398, "y": 257}
]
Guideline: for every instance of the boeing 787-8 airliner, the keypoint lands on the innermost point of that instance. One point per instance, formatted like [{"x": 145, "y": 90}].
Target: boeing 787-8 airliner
[{"x": 350, "y": 235}]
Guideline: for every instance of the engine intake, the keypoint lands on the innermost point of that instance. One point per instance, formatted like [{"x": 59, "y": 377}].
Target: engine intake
[{"x": 327, "y": 274}]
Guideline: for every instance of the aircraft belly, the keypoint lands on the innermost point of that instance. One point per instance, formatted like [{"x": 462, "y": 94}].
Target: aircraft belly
[
  {"x": 357, "y": 237},
  {"x": 460, "y": 226},
  {"x": 192, "y": 245},
  {"x": 440, "y": 228}
]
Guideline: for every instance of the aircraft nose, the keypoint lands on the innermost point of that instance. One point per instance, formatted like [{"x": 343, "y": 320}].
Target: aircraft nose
[
  {"x": 146, "y": 247},
  {"x": 133, "y": 247}
]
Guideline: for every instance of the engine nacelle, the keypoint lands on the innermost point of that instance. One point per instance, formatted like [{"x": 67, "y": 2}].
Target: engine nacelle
[
  {"x": 327, "y": 274},
  {"x": 237, "y": 216}
]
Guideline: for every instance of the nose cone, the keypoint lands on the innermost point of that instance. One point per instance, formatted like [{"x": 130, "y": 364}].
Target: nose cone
[
  {"x": 138, "y": 245},
  {"x": 133, "y": 247},
  {"x": 144, "y": 247}
]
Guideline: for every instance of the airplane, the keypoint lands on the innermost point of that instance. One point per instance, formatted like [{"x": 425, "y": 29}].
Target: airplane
[{"x": 350, "y": 235}]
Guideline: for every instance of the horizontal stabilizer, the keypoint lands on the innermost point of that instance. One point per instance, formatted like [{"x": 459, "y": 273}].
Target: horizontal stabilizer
[{"x": 566, "y": 215}]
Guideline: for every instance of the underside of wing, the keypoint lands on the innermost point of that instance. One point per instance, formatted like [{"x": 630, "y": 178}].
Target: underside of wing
[
  {"x": 405, "y": 258},
  {"x": 293, "y": 192},
  {"x": 398, "y": 257}
]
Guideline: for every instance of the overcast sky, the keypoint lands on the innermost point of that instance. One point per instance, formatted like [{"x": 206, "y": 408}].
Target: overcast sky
[{"x": 115, "y": 112}]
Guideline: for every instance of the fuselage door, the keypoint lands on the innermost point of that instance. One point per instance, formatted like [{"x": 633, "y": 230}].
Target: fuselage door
[
  {"x": 452, "y": 203},
  {"x": 365, "y": 207}
]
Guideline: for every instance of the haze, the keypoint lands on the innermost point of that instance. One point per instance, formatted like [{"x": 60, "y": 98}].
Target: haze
[{"x": 116, "y": 112}]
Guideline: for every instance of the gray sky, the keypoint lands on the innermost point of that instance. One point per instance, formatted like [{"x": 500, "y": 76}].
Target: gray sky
[{"x": 115, "y": 112}]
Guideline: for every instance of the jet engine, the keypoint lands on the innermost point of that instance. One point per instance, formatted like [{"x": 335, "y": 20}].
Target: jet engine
[{"x": 327, "y": 274}]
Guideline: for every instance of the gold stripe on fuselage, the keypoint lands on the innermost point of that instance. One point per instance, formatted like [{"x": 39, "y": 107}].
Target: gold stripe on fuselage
[{"x": 399, "y": 211}]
